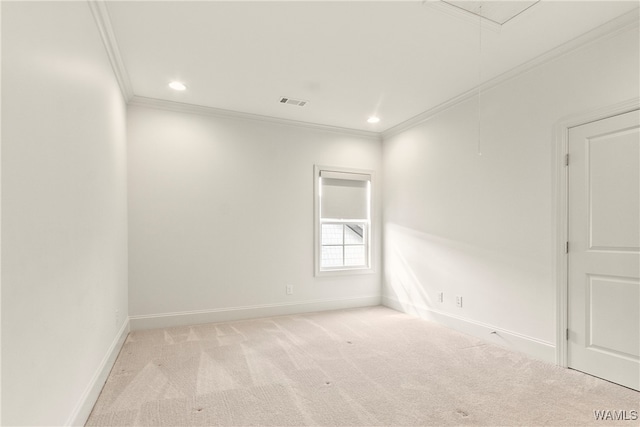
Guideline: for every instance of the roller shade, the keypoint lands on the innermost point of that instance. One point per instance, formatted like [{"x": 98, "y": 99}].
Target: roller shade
[{"x": 344, "y": 195}]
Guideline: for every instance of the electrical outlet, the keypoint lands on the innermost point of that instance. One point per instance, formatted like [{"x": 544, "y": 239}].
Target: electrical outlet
[
  {"x": 117, "y": 318},
  {"x": 458, "y": 301},
  {"x": 289, "y": 289},
  {"x": 440, "y": 296}
]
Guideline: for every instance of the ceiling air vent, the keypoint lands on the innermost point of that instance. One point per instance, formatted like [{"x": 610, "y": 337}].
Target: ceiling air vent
[{"x": 291, "y": 101}]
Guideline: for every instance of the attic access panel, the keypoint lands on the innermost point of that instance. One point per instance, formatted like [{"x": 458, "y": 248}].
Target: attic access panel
[{"x": 495, "y": 11}]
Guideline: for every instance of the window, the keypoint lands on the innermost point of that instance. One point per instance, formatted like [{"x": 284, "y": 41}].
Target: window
[{"x": 343, "y": 220}]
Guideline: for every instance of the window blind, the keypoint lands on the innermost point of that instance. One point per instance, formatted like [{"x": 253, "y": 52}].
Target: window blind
[{"x": 344, "y": 196}]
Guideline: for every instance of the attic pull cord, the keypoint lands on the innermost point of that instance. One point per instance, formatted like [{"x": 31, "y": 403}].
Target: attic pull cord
[{"x": 478, "y": 146}]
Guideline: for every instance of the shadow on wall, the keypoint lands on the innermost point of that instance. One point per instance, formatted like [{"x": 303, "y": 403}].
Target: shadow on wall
[{"x": 497, "y": 288}]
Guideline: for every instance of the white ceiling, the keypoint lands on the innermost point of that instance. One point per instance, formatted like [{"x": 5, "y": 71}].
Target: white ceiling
[{"x": 350, "y": 60}]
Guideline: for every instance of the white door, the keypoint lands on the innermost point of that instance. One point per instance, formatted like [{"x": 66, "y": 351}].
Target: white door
[{"x": 604, "y": 249}]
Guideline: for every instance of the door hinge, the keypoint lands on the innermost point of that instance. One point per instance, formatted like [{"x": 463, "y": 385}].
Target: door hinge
[
  {"x": 567, "y": 334},
  {"x": 566, "y": 159},
  {"x": 566, "y": 247}
]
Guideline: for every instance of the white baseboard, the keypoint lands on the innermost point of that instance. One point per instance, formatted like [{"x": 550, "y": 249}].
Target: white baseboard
[
  {"x": 167, "y": 320},
  {"x": 83, "y": 409},
  {"x": 533, "y": 347}
]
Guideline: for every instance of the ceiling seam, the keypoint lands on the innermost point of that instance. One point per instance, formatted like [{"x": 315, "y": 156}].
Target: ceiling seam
[
  {"x": 623, "y": 23},
  {"x": 520, "y": 13},
  {"x": 619, "y": 25},
  {"x": 462, "y": 14},
  {"x": 463, "y": 10}
]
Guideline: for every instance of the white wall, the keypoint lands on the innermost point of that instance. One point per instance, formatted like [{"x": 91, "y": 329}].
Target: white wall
[
  {"x": 64, "y": 255},
  {"x": 221, "y": 217},
  {"x": 482, "y": 227}
]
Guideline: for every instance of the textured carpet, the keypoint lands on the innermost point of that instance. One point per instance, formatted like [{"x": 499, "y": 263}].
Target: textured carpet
[{"x": 360, "y": 367}]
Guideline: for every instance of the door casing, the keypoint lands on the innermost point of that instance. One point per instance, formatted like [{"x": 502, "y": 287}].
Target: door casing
[{"x": 561, "y": 202}]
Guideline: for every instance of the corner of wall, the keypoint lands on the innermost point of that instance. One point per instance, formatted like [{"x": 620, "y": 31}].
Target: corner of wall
[
  {"x": 85, "y": 404},
  {"x": 530, "y": 346},
  {"x": 228, "y": 314}
]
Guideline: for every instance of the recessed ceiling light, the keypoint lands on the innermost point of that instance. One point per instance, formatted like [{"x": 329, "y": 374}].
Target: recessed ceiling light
[
  {"x": 373, "y": 119},
  {"x": 177, "y": 86}
]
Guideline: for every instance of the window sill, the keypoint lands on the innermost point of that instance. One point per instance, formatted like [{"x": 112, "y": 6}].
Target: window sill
[{"x": 345, "y": 272}]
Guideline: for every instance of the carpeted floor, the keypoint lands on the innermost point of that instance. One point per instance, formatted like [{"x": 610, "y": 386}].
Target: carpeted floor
[{"x": 360, "y": 367}]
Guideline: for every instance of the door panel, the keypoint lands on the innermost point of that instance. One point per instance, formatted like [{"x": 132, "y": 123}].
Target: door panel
[
  {"x": 613, "y": 226},
  {"x": 604, "y": 249},
  {"x": 613, "y": 323}
]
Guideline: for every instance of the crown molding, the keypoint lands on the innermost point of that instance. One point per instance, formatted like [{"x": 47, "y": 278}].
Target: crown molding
[
  {"x": 103, "y": 22},
  {"x": 181, "y": 107},
  {"x": 626, "y": 22}
]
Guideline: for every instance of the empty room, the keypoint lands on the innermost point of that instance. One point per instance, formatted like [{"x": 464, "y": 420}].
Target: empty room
[{"x": 320, "y": 213}]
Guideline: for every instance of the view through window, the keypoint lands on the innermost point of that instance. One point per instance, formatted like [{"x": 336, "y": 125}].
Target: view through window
[{"x": 344, "y": 199}]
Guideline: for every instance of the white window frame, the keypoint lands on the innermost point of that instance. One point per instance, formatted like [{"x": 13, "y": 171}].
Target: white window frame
[
  {"x": 365, "y": 241},
  {"x": 318, "y": 221}
]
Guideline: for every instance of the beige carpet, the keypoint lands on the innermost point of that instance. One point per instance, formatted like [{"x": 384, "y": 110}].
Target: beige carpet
[{"x": 360, "y": 367}]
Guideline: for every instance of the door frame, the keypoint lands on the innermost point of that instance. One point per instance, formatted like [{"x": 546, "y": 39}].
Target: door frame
[{"x": 561, "y": 210}]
